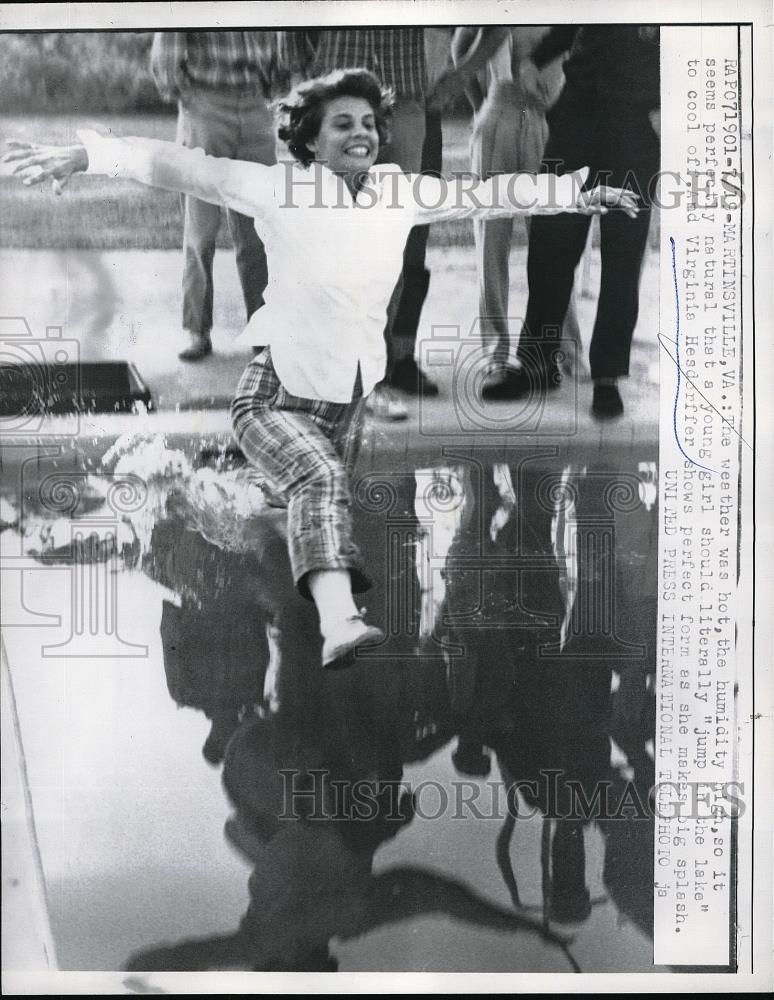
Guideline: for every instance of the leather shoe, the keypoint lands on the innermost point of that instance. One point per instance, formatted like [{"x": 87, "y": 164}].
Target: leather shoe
[
  {"x": 200, "y": 347},
  {"x": 472, "y": 760},
  {"x": 518, "y": 383},
  {"x": 407, "y": 376},
  {"x": 569, "y": 907},
  {"x": 607, "y": 402}
]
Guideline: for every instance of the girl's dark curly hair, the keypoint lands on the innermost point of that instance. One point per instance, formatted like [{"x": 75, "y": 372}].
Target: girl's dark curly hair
[{"x": 300, "y": 113}]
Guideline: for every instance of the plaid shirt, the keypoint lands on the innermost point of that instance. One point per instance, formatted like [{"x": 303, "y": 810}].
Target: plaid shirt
[
  {"x": 395, "y": 55},
  {"x": 218, "y": 59}
]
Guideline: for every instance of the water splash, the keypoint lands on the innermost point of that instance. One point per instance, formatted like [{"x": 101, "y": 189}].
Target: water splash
[{"x": 227, "y": 507}]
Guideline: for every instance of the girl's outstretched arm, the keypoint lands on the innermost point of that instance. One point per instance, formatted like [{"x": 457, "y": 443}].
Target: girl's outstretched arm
[
  {"x": 466, "y": 197},
  {"x": 246, "y": 187}
]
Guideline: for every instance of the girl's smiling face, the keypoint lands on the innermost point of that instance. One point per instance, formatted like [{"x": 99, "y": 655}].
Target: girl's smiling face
[{"x": 348, "y": 141}]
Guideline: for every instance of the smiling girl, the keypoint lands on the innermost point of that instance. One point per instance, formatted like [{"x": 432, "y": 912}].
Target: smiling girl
[{"x": 334, "y": 232}]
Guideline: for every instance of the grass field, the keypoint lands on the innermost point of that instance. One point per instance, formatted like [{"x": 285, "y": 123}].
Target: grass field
[
  {"x": 93, "y": 213},
  {"x": 48, "y": 72},
  {"x": 99, "y": 214}
]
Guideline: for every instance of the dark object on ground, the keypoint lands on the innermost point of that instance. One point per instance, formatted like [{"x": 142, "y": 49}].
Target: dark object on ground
[
  {"x": 42, "y": 387},
  {"x": 607, "y": 402},
  {"x": 518, "y": 383},
  {"x": 472, "y": 760},
  {"x": 409, "y": 377}
]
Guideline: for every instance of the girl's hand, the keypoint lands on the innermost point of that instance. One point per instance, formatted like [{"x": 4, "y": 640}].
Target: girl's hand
[
  {"x": 35, "y": 163},
  {"x": 599, "y": 200}
]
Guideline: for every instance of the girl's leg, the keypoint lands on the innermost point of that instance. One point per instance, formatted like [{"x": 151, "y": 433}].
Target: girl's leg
[
  {"x": 302, "y": 468},
  {"x": 341, "y": 624},
  {"x": 294, "y": 450},
  {"x": 331, "y": 591}
]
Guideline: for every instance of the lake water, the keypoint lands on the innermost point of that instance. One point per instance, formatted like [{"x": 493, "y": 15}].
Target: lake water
[{"x": 422, "y": 810}]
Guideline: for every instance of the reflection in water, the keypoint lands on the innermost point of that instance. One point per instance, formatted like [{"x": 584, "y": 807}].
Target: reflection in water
[
  {"x": 519, "y": 610},
  {"x": 543, "y": 701},
  {"x": 316, "y": 782},
  {"x": 215, "y": 646}
]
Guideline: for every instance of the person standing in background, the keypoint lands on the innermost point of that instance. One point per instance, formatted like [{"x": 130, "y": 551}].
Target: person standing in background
[
  {"x": 509, "y": 135},
  {"x": 606, "y": 117},
  {"x": 415, "y": 64},
  {"x": 221, "y": 81}
]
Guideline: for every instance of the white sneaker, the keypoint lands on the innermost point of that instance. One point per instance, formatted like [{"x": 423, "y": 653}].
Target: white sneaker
[{"x": 352, "y": 633}]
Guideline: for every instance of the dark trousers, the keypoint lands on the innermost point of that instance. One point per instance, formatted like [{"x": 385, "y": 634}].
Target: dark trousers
[
  {"x": 619, "y": 146},
  {"x": 416, "y": 145}
]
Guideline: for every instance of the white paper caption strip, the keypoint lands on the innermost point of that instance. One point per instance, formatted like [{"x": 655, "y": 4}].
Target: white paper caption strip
[{"x": 701, "y": 274}]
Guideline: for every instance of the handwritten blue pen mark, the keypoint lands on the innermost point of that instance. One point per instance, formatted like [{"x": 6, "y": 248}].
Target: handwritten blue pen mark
[{"x": 677, "y": 363}]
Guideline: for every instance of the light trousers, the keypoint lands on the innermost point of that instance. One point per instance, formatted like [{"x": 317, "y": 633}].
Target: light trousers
[
  {"x": 508, "y": 136},
  {"x": 238, "y": 125}
]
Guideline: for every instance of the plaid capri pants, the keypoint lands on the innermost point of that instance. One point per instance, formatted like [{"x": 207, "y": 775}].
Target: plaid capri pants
[{"x": 304, "y": 451}]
